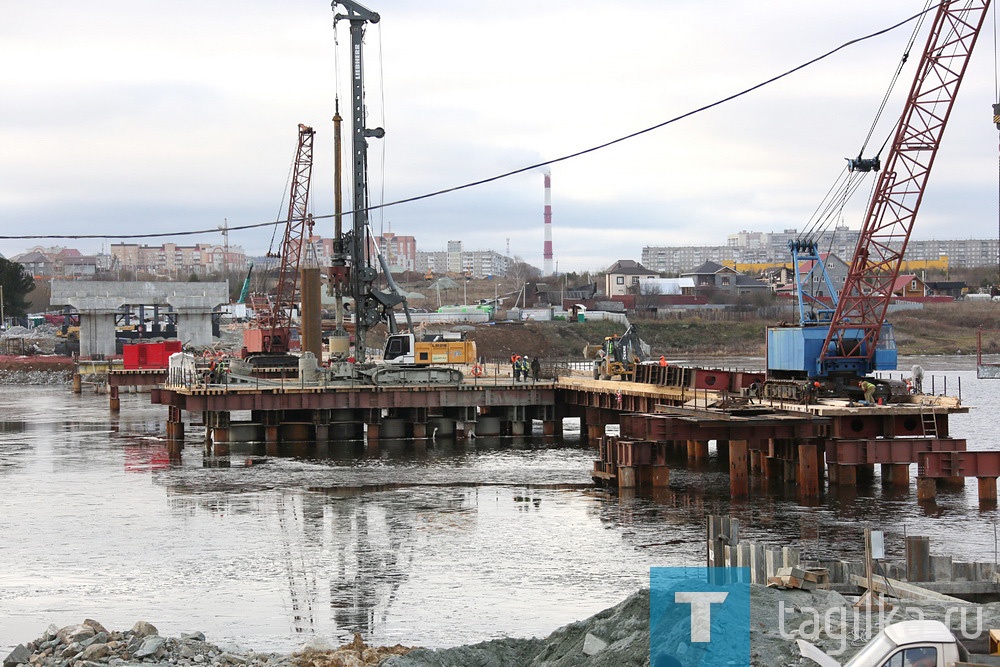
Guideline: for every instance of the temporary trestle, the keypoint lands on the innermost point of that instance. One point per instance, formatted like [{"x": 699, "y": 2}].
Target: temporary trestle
[
  {"x": 788, "y": 447},
  {"x": 322, "y": 415},
  {"x": 710, "y": 420}
]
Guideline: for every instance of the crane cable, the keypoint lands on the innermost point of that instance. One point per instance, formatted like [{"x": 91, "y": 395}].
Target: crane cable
[
  {"x": 521, "y": 170},
  {"x": 832, "y": 206}
]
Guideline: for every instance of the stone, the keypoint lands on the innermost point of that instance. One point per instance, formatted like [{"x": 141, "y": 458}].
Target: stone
[
  {"x": 150, "y": 646},
  {"x": 70, "y": 650},
  {"x": 99, "y": 638},
  {"x": 592, "y": 645},
  {"x": 18, "y": 656},
  {"x": 144, "y": 629},
  {"x": 195, "y": 636},
  {"x": 75, "y": 633},
  {"x": 199, "y": 658},
  {"x": 95, "y": 652},
  {"x": 98, "y": 628},
  {"x": 232, "y": 658}
]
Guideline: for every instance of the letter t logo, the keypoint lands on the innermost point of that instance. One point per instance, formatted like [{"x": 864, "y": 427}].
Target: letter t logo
[{"x": 701, "y": 611}]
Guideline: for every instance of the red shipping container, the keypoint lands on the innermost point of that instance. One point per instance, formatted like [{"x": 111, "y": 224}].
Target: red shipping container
[{"x": 139, "y": 356}]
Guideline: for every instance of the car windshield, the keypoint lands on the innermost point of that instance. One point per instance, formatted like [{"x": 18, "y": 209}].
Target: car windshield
[{"x": 878, "y": 648}]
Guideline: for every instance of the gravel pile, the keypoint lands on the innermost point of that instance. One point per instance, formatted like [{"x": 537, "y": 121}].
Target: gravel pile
[
  {"x": 90, "y": 644},
  {"x": 615, "y": 637},
  {"x": 36, "y": 377}
]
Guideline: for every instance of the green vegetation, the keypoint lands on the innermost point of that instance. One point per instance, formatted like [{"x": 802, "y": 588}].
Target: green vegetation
[{"x": 16, "y": 283}]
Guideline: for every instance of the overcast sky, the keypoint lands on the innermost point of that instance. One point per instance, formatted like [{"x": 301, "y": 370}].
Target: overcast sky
[{"x": 125, "y": 117}]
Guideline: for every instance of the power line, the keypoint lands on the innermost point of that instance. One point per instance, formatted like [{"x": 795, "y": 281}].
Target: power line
[{"x": 508, "y": 174}]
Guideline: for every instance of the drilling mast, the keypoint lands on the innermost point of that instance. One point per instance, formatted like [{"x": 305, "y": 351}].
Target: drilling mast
[{"x": 352, "y": 266}]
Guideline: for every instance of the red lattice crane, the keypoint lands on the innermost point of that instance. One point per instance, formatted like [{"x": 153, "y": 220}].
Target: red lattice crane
[
  {"x": 857, "y": 323},
  {"x": 272, "y": 331}
]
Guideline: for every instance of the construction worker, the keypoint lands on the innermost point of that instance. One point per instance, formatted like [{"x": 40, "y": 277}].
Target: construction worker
[
  {"x": 869, "y": 390},
  {"x": 754, "y": 392},
  {"x": 536, "y": 368},
  {"x": 663, "y": 361},
  {"x": 515, "y": 366},
  {"x": 524, "y": 367}
]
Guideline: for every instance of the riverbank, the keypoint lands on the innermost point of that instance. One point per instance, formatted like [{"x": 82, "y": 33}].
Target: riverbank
[
  {"x": 935, "y": 329},
  {"x": 615, "y": 637}
]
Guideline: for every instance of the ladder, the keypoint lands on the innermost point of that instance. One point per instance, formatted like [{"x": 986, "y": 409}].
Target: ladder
[{"x": 928, "y": 419}]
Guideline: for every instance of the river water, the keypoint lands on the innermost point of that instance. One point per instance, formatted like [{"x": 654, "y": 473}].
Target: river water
[{"x": 456, "y": 544}]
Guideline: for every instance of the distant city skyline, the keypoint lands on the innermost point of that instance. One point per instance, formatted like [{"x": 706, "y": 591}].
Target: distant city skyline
[{"x": 194, "y": 128}]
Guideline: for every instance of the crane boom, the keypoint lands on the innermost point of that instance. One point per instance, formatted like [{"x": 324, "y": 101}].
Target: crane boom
[
  {"x": 857, "y": 322},
  {"x": 272, "y": 331}
]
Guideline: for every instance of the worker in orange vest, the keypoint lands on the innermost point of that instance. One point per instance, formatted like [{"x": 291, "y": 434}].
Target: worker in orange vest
[{"x": 663, "y": 361}]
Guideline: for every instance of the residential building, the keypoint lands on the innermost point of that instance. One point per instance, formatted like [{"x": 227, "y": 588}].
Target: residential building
[
  {"x": 748, "y": 247},
  {"x": 476, "y": 263},
  {"x": 173, "y": 261},
  {"x": 400, "y": 252},
  {"x": 712, "y": 277},
  {"x": 909, "y": 286},
  {"x": 623, "y": 277}
]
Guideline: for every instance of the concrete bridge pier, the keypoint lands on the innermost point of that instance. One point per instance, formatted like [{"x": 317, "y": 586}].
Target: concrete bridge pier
[{"x": 99, "y": 302}]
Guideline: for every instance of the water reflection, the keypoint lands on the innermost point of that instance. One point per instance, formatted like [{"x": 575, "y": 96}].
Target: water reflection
[{"x": 434, "y": 543}]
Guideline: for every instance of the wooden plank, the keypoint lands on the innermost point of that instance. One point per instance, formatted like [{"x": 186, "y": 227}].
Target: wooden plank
[{"x": 904, "y": 590}]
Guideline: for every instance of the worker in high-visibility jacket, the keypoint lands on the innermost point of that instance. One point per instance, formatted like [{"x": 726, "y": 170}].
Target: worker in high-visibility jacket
[{"x": 869, "y": 389}]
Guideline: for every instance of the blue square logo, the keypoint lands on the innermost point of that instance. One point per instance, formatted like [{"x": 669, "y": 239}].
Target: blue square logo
[{"x": 699, "y": 617}]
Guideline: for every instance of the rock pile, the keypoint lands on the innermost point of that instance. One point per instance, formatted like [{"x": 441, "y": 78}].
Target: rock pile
[
  {"x": 90, "y": 644},
  {"x": 615, "y": 637}
]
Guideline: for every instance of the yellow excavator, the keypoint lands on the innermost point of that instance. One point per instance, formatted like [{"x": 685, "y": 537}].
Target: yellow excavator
[{"x": 617, "y": 356}]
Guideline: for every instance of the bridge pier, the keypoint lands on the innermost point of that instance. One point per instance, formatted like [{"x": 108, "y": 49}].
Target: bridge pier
[
  {"x": 175, "y": 424},
  {"x": 896, "y": 474},
  {"x": 722, "y": 450},
  {"x": 809, "y": 471},
  {"x": 739, "y": 479},
  {"x": 987, "y": 489},
  {"x": 843, "y": 475}
]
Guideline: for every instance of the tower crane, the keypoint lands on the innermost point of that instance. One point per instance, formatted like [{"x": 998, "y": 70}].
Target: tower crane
[{"x": 856, "y": 340}]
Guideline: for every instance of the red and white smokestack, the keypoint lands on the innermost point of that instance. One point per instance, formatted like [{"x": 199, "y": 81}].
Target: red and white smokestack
[{"x": 547, "y": 249}]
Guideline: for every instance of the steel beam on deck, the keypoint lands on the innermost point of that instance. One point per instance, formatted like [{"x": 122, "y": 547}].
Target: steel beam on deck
[{"x": 712, "y": 426}]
